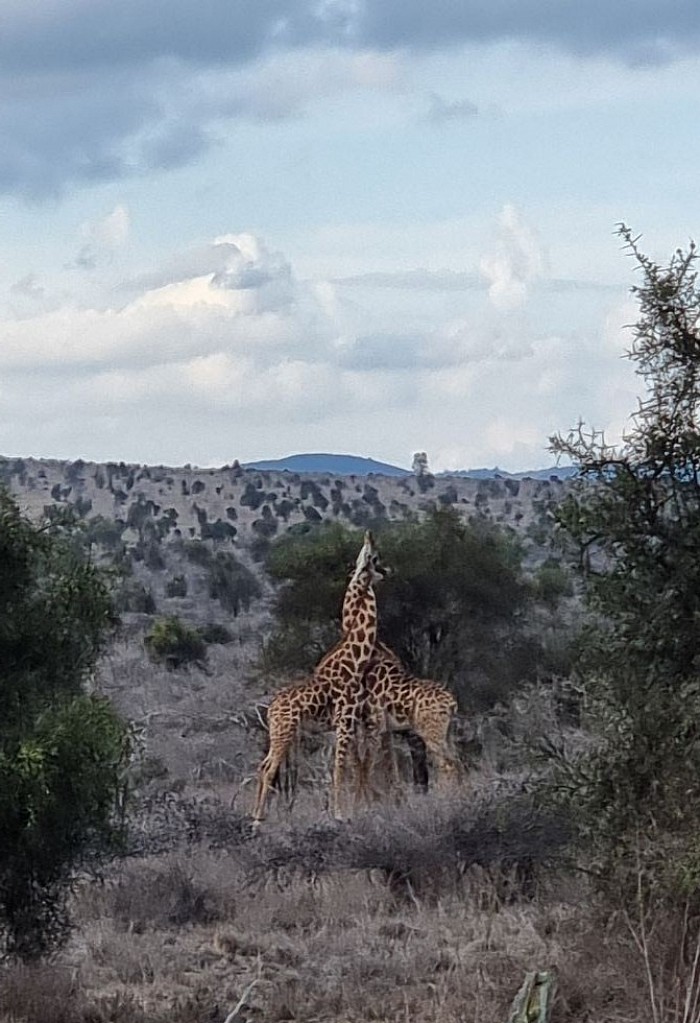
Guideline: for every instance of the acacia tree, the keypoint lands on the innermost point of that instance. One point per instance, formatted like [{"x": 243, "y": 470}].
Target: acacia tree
[
  {"x": 451, "y": 606},
  {"x": 636, "y": 519},
  {"x": 62, "y": 751}
]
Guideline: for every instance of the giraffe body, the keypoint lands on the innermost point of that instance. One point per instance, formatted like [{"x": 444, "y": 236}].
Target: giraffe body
[
  {"x": 390, "y": 699},
  {"x": 397, "y": 701}
]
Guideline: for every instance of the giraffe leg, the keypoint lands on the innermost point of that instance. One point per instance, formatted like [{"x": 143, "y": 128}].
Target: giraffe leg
[
  {"x": 389, "y": 759},
  {"x": 378, "y": 747},
  {"x": 266, "y": 776},
  {"x": 419, "y": 761},
  {"x": 281, "y": 738},
  {"x": 434, "y": 734},
  {"x": 344, "y": 740},
  {"x": 364, "y": 790}
]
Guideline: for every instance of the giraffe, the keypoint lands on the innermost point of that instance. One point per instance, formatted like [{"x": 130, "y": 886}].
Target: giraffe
[
  {"x": 334, "y": 696},
  {"x": 393, "y": 701},
  {"x": 397, "y": 701}
]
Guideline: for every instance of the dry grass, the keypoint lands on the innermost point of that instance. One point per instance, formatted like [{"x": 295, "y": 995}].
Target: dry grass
[
  {"x": 304, "y": 921},
  {"x": 341, "y": 947}
]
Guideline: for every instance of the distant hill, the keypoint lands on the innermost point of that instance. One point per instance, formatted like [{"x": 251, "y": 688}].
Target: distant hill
[
  {"x": 354, "y": 465},
  {"x": 561, "y": 472},
  {"x": 337, "y": 465}
]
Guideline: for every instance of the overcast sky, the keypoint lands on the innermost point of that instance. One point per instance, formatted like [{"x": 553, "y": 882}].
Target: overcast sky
[{"x": 247, "y": 228}]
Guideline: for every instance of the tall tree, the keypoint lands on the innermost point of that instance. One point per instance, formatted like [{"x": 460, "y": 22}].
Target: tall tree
[
  {"x": 451, "y": 604},
  {"x": 62, "y": 751},
  {"x": 636, "y": 519}
]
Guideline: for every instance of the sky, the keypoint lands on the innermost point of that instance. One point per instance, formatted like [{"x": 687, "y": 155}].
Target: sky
[{"x": 248, "y": 228}]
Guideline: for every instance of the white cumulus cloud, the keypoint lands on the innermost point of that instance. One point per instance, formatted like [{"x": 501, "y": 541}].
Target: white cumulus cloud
[{"x": 516, "y": 262}]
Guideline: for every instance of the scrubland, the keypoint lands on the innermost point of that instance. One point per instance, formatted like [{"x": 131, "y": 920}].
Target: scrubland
[{"x": 422, "y": 907}]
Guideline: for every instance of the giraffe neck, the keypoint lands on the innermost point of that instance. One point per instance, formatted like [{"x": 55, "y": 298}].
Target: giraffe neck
[
  {"x": 359, "y": 601},
  {"x": 360, "y": 633}
]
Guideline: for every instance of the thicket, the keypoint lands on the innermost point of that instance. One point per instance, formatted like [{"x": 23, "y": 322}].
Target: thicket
[
  {"x": 636, "y": 522},
  {"x": 63, "y": 753},
  {"x": 174, "y": 644}
]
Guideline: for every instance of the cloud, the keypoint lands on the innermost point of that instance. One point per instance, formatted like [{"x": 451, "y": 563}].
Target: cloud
[
  {"x": 224, "y": 352},
  {"x": 54, "y": 36},
  {"x": 415, "y": 280},
  {"x": 94, "y": 91},
  {"x": 628, "y": 28},
  {"x": 442, "y": 111},
  {"x": 86, "y": 123},
  {"x": 28, "y": 287},
  {"x": 516, "y": 262},
  {"x": 102, "y": 238}
]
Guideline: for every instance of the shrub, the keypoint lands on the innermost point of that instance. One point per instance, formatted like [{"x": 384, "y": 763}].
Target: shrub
[
  {"x": 176, "y": 587},
  {"x": 174, "y": 644},
  {"x": 62, "y": 753},
  {"x": 218, "y": 530},
  {"x": 232, "y": 584},
  {"x": 215, "y": 633},
  {"x": 197, "y": 552},
  {"x": 552, "y": 582},
  {"x": 135, "y": 597}
]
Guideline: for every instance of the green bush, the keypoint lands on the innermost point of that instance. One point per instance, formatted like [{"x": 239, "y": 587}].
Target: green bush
[
  {"x": 62, "y": 754},
  {"x": 174, "y": 644},
  {"x": 552, "y": 582}
]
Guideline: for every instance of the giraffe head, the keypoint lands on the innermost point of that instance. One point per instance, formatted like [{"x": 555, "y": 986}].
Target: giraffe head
[{"x": 368, "y": 567}]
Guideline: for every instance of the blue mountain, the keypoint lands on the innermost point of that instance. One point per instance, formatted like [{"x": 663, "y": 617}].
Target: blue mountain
[{"x": 334, "y": 465}]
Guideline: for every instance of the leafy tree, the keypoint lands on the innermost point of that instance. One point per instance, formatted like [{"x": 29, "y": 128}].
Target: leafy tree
[
  {"x": 62, "y": 753},
  {"x": 174, "y": 644},
  {"x": 449, "y": 582},
  {"x": 452, "y": 601},
  {"x": 636, "y": 520}
]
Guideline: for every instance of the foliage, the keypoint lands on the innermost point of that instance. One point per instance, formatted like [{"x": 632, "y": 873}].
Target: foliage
[
  {"x": 552, "y": 582},
  {"x": 453, "y": 599},
  {"x": 174, "y": 644},
  {"x": 232, "y": 583},
  {"x": 62, "y": 753},
  {"x": 213, "y": 632},
  {"x": 197, "y": 552},
  {"x": 636, "y": 521}
]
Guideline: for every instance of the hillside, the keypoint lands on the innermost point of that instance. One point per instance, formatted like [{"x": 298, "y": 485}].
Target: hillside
[{"x": 241, "y": 506}]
